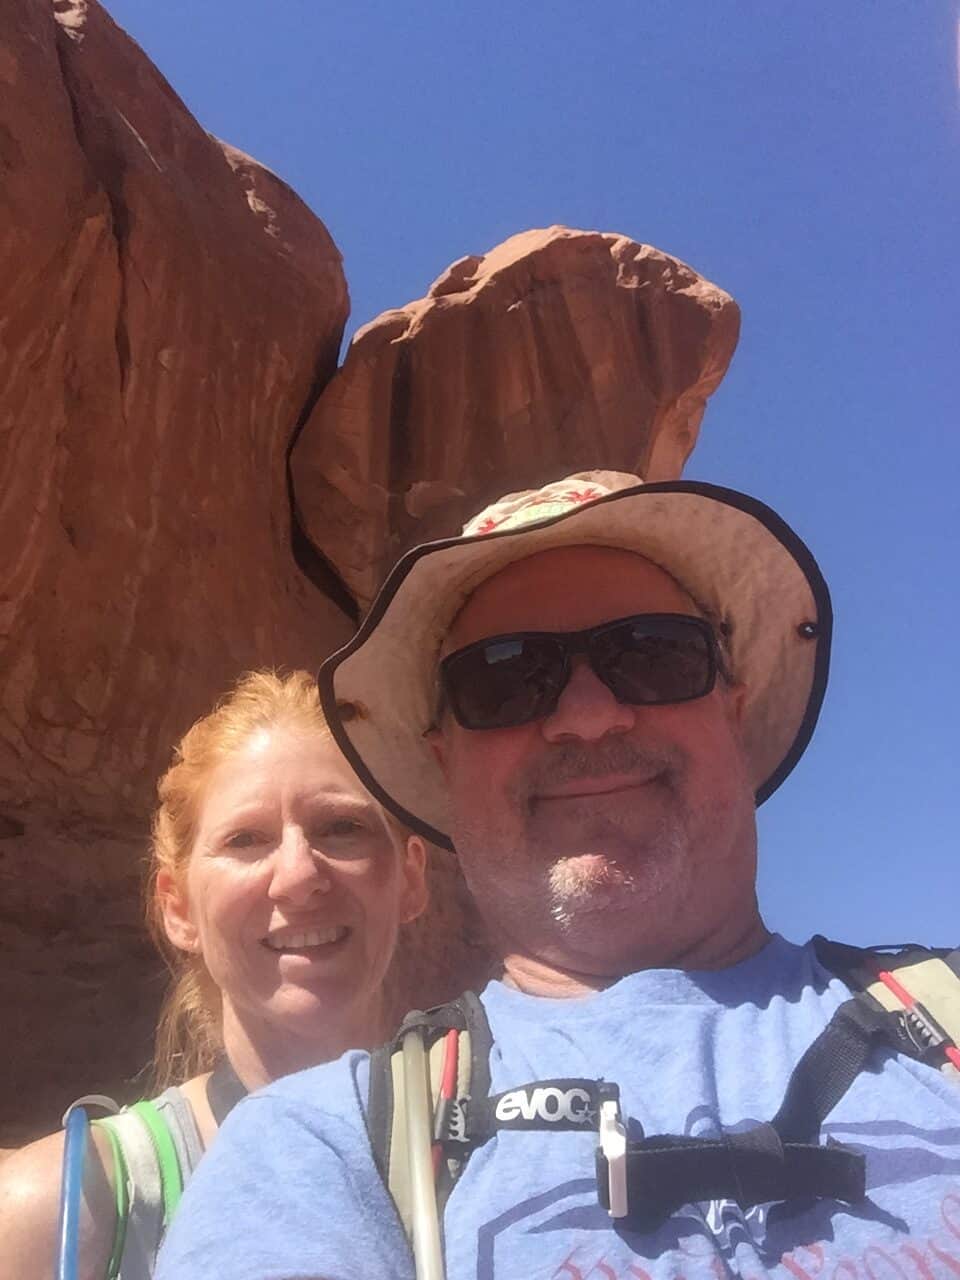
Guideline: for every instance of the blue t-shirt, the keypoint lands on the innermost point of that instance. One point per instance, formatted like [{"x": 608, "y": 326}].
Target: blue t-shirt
[{"x": 290, "y": 1191}]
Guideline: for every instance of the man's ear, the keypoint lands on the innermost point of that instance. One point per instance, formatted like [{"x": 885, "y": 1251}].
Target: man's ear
[
  {"x": 414, "y": 895},
  {"x": 175, "y": 911}
]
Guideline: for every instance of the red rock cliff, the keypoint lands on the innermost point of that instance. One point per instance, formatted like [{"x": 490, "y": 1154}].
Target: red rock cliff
[{"x": 168, "y": 309}]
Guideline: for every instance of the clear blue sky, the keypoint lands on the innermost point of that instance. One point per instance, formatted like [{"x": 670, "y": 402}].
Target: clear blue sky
[{"x": 804, "y": 157}]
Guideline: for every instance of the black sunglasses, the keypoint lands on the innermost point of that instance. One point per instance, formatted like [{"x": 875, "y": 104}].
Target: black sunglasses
[{"x": 644, "y": 660}]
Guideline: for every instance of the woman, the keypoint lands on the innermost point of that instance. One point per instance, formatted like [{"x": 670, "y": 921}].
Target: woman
[{"x": 277, "y": 890}]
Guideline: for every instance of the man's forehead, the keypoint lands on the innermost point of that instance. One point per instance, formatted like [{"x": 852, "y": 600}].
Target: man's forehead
[{"x": 567, "y": 588}]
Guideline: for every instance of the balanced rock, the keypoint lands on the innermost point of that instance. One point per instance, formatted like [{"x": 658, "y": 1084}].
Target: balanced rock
[{"x": 557, "y": 351}]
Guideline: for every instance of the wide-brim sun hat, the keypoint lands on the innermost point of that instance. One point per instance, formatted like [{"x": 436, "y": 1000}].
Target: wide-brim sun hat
[{"x": 735, "y": 556}]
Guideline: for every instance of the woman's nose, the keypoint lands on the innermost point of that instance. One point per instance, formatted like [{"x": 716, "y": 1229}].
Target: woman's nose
[
  {"x": 299, "y": 872},
  {"x": 587, "y": 709}
]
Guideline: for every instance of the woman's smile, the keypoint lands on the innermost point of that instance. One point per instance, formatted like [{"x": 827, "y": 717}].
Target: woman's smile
[{"x": 295, "y": 939}]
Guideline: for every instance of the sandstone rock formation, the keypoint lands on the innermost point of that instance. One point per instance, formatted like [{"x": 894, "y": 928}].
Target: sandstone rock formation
[
  {"x": 169, "y": 312},
  {"x": 557, "y": 351},
  {"x": 168, "y": 309}
]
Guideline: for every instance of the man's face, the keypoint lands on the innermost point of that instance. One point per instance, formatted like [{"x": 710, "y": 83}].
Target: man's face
[{"x": 641, "y": 813}]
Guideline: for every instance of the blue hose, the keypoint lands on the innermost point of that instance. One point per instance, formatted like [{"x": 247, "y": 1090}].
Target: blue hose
[{"x": 77, "y": 1125}]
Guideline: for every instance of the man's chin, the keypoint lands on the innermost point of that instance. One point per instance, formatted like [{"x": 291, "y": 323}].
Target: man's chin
[
  {"x": 586, "y": 883},
  {"x": 590, "y": 867}
]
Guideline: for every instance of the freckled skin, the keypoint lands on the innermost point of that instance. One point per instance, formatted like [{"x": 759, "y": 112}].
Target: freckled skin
[{"x": 659, "y": 869}]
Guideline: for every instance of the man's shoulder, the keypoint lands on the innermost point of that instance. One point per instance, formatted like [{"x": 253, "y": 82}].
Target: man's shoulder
[
  {"x": 860, "y": 965},
  {"x": 251, "y": 1207}
]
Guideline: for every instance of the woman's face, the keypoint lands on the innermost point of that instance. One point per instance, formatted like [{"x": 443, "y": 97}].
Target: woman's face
[{"x": 295, "y": 891}]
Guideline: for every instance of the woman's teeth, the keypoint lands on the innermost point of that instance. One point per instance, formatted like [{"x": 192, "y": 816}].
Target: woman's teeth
[{"x": 309, "y": 938}]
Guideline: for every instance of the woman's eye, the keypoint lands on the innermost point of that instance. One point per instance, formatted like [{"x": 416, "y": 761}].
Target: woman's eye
[{"x": 244, "y": 839}]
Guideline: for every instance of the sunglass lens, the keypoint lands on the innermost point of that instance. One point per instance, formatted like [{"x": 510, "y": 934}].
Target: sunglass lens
[
  {"x": 504, "y": 682},
  {"x": 649, "y": 661}
]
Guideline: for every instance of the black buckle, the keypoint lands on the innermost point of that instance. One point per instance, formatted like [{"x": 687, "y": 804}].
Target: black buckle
[
  {"x": 450, "y": 1123},
  {"x": 923, "y": 1033},
  {"x": 752, "y": 1167}
]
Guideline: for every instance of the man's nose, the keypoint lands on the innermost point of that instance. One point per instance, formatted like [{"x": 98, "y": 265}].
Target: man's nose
[
  {"x": 587, "y": 709},
  {"x": 299, "y": 871}
]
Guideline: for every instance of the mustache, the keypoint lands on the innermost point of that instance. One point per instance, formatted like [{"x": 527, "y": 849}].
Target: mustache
[{"x": 569, "y": 761}]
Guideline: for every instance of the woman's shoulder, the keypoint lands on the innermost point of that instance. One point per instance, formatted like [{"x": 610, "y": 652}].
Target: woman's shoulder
[
  {"x": 30, "y": 1182},
  {"x": 195, "y": 1095},
  {"x": 29, "y": 1175},
  {"x": 30, "y": 1208}
]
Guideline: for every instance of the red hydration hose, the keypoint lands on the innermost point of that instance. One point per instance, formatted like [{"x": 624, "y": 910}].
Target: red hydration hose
[
  {"x": 448, "y": 1085},
  {"x": 922, "y": 1014}
]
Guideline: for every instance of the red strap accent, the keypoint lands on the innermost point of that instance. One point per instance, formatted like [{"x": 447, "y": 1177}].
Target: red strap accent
[
  {"x": 908, "y": 1002},
  {"x": 448, "y": 1082}
]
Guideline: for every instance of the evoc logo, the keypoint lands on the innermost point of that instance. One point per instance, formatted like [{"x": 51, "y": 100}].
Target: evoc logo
[{"x": 546, "y": 1102}]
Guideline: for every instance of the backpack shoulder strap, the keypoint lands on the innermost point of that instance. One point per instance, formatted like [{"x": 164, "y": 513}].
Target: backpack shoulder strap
[
  {"x": 146, "y": 1162},
  {"x": 387, "y": 1100},
  {"x": 121, "y": 1193},
  {"x": 168, "y": 1162},
  {"x": 380, "y": 1107},
  {"x": 472, "y": 1081},
  {"x": 920, "y": 983},
  {"x": 481, "y": 1042}
]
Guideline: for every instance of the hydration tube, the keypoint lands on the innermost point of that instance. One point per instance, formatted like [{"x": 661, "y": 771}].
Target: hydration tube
[
  {"x": 427, "y": 1249},
  {"x": 76, "y": 1123},
  {"x": 930, "y": 1029},
  {"x": 77, "y": 1126}
]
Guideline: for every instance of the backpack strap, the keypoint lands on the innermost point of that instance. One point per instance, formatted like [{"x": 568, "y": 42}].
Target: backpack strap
[
  {"x": 470, "y": 1079},
  {"x": 168, "y": 1163},
  {"x": 224, "y": 1090},
  {"x": 906, "y": 999},
  {"x": 657, "y": 1174},
  {"x": 829, "y": 1067},
  {"x": 121, "y": 1191},
  {"x": 387, "y": 1099},
  {"x": 920, "y": 986},
  {"x": 663, "y": 1172},
  {"x": 780, "y": 1160},
  {"x": 147, "y": 1168},
  {"x": 380, "y": 1108}
]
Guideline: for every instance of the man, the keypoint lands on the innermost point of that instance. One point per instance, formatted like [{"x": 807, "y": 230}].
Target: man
[{"x": 586, "y": 695}]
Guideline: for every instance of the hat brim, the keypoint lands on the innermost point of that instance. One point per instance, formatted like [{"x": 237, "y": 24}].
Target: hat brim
[{"x": 732, "y": 553}]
